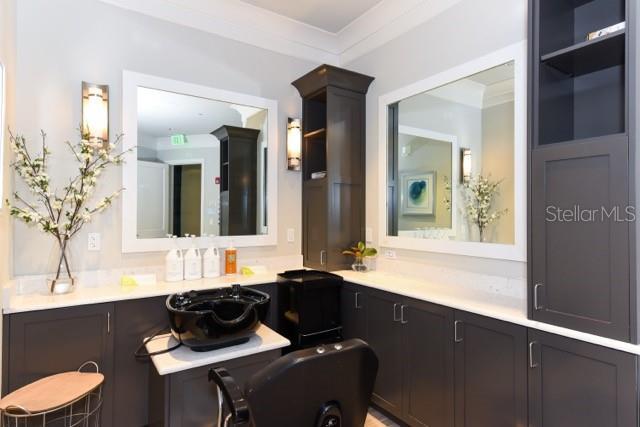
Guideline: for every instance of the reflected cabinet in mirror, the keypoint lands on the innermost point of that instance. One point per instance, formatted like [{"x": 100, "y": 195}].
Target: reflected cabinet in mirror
[
  {"x": 453, "y": 146},
  {"x": 201, "y": 162}
]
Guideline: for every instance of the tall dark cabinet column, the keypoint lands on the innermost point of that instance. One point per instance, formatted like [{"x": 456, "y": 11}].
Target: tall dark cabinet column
[
  {"x": 333, "y": 164},
  {"x": 582, "y": 262},
  {"x": 239, "y": 173}
]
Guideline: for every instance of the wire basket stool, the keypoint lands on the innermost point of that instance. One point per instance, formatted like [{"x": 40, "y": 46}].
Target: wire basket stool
[{"x": 82, "y": 392}]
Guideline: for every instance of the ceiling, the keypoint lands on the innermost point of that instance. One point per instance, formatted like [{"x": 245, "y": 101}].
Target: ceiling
[
  {"x": 322, "y": 31},
  {"x": 328, "y": 15},
  {"x": 162, "y": 114}
]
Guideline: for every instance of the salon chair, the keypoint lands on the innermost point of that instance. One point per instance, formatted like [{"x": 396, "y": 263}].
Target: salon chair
[{"x": 324, "y": 386}]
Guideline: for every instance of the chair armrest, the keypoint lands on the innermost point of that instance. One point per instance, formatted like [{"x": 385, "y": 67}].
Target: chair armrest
[{"x": 238, "y": 405}]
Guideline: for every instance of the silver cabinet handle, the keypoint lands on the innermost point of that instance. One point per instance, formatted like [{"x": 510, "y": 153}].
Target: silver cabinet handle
[
  {"x": 402, "y": 318},
  {"x": 357, "y": 300},
  {"x": 536, "y": 304},
  {"x": 108, "y": 322},
  {"x": 323, "y": 256},
  {"x": 532, "y": 363},
  {"x": 395, "y": 312},
  {"x": 456, "y": 335}
]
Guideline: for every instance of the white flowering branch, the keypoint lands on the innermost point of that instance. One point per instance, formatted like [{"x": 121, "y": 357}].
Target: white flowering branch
[
  {"x": 479, "y": 194},
  {"x": 62, "y": 213}
]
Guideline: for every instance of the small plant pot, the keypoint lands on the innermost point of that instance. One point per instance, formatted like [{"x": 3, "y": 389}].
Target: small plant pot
[{"x": 359, "y": 265}]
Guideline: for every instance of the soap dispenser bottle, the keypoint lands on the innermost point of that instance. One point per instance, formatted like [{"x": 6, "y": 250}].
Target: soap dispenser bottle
[
  {"x": 192, "y": 261},
  {"x": 211, "y": 261},
  {"x": 174, "y": 262},
  {"x": 230, "y": 260}
]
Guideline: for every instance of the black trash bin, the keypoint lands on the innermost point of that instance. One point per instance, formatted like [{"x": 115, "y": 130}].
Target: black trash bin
[{"x": 309, "y": 307}]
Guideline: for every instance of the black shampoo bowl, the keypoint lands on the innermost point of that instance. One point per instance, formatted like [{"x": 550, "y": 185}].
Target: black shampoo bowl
[{"x": 207, "y": 320}]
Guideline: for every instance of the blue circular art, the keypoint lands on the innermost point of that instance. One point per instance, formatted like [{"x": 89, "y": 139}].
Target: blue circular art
[{"x": 417, "y": 191}]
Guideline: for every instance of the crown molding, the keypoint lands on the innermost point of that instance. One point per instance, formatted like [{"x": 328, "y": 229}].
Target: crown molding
[{"x": 253, "y": 25}]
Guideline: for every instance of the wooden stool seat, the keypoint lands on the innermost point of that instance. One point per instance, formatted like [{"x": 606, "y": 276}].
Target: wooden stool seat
[{"x": 52, "y": 392}]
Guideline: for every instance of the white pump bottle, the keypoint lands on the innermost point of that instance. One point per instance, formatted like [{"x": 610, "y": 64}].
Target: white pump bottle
[
  {"x": 211, "y": 260},
  {"x": 174, "y": 263},
  {"x": 192, "y": 261}
]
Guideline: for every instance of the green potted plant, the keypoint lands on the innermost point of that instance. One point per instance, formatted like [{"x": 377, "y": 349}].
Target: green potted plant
[{"x": 359, "y": 253}]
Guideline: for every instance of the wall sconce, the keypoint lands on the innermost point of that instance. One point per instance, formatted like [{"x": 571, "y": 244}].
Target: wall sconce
[
  {"x": 465, "y": 165},
  {"x": 294, "y": 144},
  {"x": 95, "y": 111}
]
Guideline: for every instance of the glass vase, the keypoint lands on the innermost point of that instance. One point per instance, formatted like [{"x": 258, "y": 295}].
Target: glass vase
[
  {"x": 61, "y": 280},
  {"x": 359, "y": 265}
]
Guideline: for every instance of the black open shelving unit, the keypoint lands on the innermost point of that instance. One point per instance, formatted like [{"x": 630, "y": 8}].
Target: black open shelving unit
[{"x": 582, "y": 154}]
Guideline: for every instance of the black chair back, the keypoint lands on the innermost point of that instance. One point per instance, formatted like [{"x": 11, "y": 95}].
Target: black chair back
[
  {"x": 298, "y": 388},
  {"x": 325, "y": 386}
]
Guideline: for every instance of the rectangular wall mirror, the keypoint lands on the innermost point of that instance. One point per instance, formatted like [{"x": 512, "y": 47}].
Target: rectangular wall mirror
[
  {"x": 201, "y": 164},
  {"x": 453, "y": 148}
]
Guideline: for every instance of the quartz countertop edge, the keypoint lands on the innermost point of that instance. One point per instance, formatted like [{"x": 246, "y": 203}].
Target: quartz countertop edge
[
  {"x": 420, "y": 289},
  {"x": 183, "y": 358},
  {"x": 508, "y": 309},
  {"x": 105, "y": 294}
]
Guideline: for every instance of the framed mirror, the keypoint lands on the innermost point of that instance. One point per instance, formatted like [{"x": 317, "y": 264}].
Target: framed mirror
[
  {"x": 203, "y": 163},
  {"x": 453, "y": 160}
]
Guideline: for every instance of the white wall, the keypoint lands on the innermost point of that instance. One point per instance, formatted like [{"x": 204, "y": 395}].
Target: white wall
[
  {"x": 468, "y": 30},
  {"x": 7, "y": 58},
  {"x": 62, "y": 43}
]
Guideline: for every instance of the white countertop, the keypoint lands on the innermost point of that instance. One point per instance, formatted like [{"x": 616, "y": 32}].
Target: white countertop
[
  {"x": 183, "y": 358},
  {"x": 457, "y": 293},
  {"x": 87, "y": 295},
  {"x": 511, "y": 310}
]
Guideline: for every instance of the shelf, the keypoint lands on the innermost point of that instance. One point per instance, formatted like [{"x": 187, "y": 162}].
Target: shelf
[
  {"x": 589, "y": 56},
  {"x": 315, "y": 133}
]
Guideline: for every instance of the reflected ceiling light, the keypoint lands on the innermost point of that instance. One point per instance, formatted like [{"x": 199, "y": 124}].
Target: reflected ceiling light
[
  {"x": 294, "y": 144},
  {"x": 465, "y": 165},
  {"x": 95, "y": 111}
]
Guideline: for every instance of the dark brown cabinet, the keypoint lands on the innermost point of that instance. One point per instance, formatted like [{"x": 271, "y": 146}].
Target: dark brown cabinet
[
  {"x": 134, "y": 320},
  {"x": 353, "y": 300},
  {"x": 384, "y": 334},
  {"x": 239, "y": 180},
  {"x": 333, "y": 164},
  {"x": 490, "y": 372},
  {"x": 427, "y": 349},
  {"x": 41, "y": 343},
  {"x": 414, "y": 344},
  {"x": 573, "y": 383},
  {"x": 581, "y": 258}
]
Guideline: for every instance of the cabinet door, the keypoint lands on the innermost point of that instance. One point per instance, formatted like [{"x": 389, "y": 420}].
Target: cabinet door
[
  {"x": 491, "y": 372},
  {"x": 47, "y": 342},
  {"x": 314, "y": 209},
  {"x": 573, "y": 383},
  {"x": 427, "y": 358},
  {"x": 579, "y": 253},
  {"x": 384, "y": 333},
  {"x": 354, "y": 315},
  {"x": 134, "y": 321}
]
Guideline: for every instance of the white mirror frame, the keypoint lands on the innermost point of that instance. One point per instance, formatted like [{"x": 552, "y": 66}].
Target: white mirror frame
[
  {"x": 130, "y": 83},
  {"x": 515, "y": 252}
]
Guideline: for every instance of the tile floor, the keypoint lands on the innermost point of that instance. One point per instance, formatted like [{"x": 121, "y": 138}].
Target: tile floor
[{"x": 377, "y": 419}]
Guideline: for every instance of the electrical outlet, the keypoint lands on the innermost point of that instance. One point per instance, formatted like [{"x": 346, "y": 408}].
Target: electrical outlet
[
  {"x": 93, "y": 242},
  {"x": 291, "y": 235},
  {"x": 390, "y": 253},
  {"x": 368, "y": 234}
]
